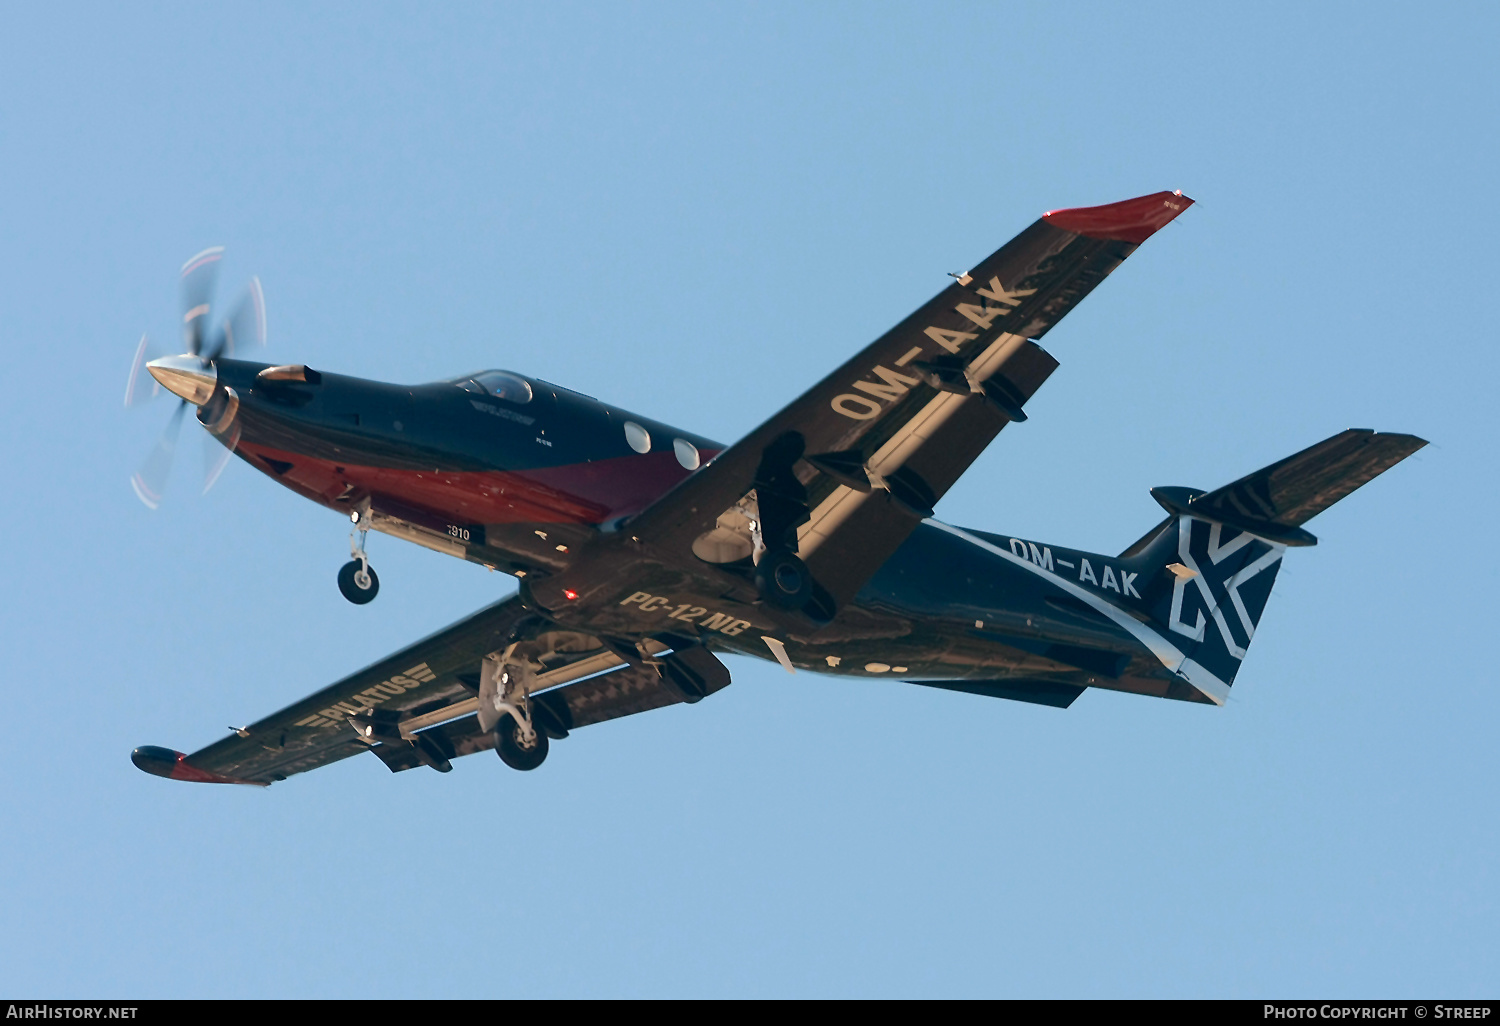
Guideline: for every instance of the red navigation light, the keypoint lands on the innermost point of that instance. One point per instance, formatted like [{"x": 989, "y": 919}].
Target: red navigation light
[{"x": 570, "y": 594}]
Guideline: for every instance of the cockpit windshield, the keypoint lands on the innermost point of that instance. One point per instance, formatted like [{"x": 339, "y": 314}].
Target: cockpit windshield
[{"x": 500, "y": 384}]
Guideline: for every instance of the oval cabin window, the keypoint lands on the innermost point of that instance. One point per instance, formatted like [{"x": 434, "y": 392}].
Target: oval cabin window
[{"x": 638, "y": 437}]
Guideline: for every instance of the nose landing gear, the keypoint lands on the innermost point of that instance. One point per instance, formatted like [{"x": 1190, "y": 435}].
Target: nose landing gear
[{"x": 357, "y": 580}]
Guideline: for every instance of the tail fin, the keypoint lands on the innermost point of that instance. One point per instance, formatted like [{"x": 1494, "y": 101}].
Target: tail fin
[{"x": 1210, "y": 565}]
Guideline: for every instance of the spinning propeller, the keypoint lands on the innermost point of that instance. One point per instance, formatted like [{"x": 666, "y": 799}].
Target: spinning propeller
[{"x": 193, "y": 377}]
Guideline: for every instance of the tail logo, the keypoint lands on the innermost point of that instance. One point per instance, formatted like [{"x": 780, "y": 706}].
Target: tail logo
[{"x": 1219, "y": 570}]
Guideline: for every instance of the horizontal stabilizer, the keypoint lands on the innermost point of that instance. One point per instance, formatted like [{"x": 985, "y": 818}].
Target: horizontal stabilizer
[
  {"x": 1184, "y": 502},
  {"x": 1275, "y": 501},
  {"x": 1298, "y": 488},
  {"x": 1037, "y": 692}
]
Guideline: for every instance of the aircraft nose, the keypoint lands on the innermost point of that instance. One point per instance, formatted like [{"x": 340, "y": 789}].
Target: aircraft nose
[{"x": 190, "y": 377}]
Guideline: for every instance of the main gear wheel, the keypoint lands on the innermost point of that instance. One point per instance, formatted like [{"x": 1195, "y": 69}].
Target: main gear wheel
[{"x": 514, "y": 749}]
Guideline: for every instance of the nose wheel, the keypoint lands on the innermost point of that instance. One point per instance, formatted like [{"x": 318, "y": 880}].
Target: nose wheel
[{"x": 357, "y": 580}]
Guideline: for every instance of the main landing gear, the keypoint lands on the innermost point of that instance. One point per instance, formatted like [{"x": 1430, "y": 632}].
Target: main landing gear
[
  {"x": 515, "y": 749},
  {"x": 783, "y": 579},
  {"x": 357, "y": 579},
  {"x": 505, "y": 707}
]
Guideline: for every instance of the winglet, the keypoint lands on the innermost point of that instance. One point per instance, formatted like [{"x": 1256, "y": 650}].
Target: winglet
[
  {"x": 1132, "y": 220},
  {"x": 164, "y": 762}
]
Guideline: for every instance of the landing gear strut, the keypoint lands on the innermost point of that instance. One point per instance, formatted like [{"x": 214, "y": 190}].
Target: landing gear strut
[
  {"x": 357, "y": 580},
  {"x": 505, "y": 707}
]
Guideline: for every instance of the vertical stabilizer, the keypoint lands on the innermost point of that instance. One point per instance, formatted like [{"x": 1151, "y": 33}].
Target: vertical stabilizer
[
  {"x": 1210, "y": 565},
  {"x": 1209, "y": 587}
]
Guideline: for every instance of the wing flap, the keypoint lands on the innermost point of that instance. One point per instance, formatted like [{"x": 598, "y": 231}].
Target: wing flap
[
  {"x": 851, "y": 530},
  {"x": 607, "y": 696}
]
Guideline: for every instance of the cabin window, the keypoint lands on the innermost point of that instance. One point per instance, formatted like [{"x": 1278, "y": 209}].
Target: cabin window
[
  {"x": 638, "y": 437},
  {"x": 687, "y": 453}
]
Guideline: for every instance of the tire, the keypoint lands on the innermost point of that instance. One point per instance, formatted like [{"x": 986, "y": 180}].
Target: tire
[
  {"x": 350, "y": 587},
  {"x": 783, "y": 580},
  {"x": 508, "y": 745}
]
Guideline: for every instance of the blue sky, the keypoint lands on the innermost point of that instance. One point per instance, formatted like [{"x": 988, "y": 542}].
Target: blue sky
[{"x": 695, "y": 211}]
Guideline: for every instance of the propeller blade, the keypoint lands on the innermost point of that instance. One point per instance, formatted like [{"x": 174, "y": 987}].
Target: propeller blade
[
  {"x": 199, "y": 275},
  {"x": 246, "y": 327},
  {"x": 216, "y": 454},
  {"x": 142, "y": 387},
  {"x": 151, "y": 480}
]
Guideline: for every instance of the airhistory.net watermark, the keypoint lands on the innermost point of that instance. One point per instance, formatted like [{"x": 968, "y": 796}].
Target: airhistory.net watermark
[{"x": 68, "y": 1010}]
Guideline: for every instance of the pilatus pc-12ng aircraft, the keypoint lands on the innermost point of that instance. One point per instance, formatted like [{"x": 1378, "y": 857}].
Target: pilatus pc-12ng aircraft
[{"x": 644, "y": 552}]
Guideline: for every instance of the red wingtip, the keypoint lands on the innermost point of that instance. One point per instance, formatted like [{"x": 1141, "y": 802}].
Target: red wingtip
[
  {"x": 164, "y": 762},
  {"x": 1132, "y": 220}
]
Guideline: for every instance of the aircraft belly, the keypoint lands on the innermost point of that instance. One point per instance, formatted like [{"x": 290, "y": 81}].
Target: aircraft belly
[
  {"x": 967, "y": 614},
  {"x": 513, "y": 520}
]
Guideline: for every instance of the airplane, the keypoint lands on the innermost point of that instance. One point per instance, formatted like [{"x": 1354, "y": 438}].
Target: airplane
[{"x": 644, "y": 552}]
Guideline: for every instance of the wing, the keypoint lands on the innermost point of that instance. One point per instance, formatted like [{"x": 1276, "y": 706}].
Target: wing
[
  {"x": 417, "y": 707},
  {"x": 420, "y": 680},
  {"x": 844, "y": 474}
]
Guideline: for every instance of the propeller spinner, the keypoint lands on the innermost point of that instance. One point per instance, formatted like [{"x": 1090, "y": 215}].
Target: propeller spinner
[{"x": 193, "y": 376}]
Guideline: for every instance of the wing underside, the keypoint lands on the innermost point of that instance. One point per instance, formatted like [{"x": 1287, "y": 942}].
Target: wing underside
[{"x": 419, "y": 706}]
